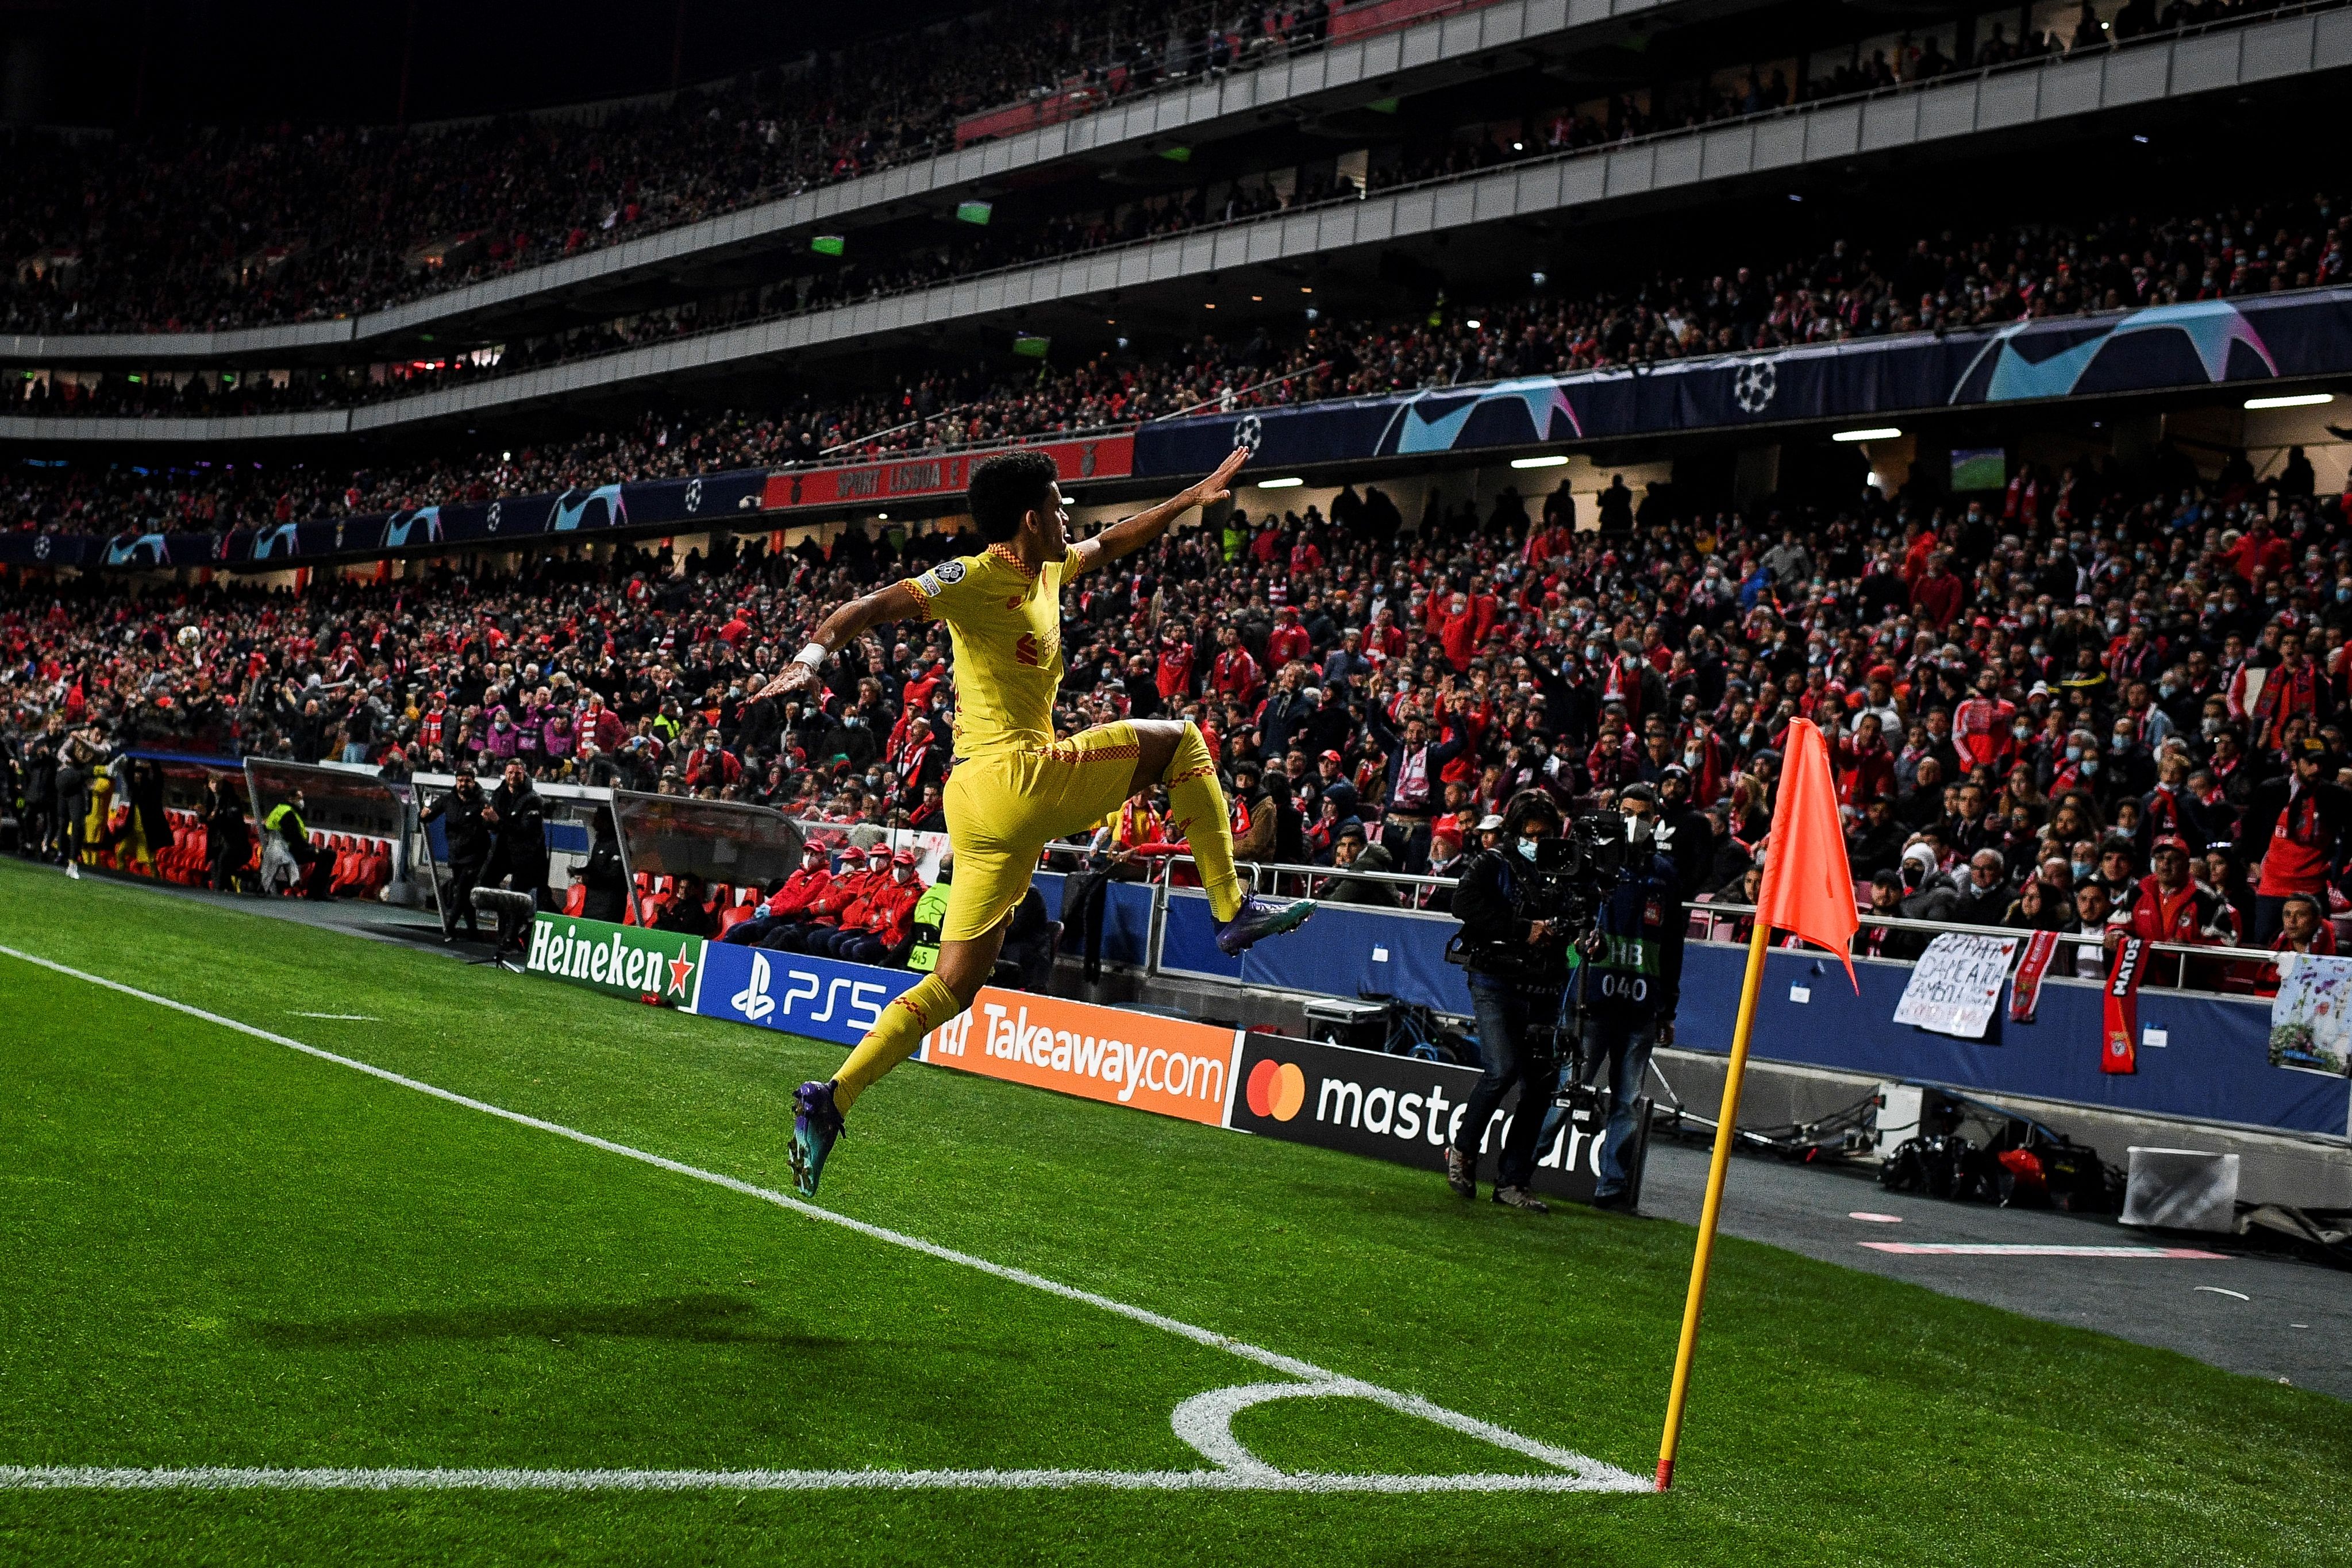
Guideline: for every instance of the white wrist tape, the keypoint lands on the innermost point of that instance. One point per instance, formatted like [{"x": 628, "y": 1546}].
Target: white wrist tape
[{"x": 813, "y": 656}]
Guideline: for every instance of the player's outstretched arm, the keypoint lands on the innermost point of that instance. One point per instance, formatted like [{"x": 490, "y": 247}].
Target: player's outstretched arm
[
  {"x": 897, "y": 601},
  {"x": 1128, "y": 535}
]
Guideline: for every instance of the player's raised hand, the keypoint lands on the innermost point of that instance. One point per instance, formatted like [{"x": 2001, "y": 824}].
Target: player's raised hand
[
  {"x": 792, "y": 677},
  {"x": 1213, "y": 488}
]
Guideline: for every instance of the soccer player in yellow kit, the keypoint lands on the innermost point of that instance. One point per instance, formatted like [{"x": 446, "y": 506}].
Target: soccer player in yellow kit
[{"x": 1014, "y": 786}]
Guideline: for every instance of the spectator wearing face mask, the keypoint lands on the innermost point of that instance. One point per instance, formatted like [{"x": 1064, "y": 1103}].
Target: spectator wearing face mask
[
  {"x": 712, "y": 765},
  {"x": 879, "y": 927},
  {"x": 1929, "y": 892},
  {"x": 1985, "y": 896}
]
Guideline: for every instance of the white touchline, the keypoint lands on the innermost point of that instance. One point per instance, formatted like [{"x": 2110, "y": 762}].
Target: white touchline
[
  {"x": 342, "y": 1018},
  {"x": 65, "y": 1478},
  {"x": 1209, "y": 1416}
]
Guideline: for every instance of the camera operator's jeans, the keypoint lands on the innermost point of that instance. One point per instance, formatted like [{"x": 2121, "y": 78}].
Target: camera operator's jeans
[
  {"x": 1624, "y": 1044},
  {"x": 1507, "y": 1018}
]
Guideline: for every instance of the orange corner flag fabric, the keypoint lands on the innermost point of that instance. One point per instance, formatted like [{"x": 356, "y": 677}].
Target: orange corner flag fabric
[{"x": 1808, "y": 890}]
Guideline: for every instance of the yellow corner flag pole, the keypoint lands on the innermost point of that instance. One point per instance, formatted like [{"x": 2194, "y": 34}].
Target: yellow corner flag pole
[{"x": 1717, "y": 1171}]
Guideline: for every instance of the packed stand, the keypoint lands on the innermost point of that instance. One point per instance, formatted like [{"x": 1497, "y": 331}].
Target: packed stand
[
  {"x": 1843, "y": 292},
  {"x": 1927, "y": 283},
  {"x": 204, "y": 228},
  {"x": 2072, "y": 705}
]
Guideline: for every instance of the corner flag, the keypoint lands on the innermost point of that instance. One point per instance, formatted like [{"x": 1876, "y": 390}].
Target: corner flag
[
  {"x": 1808, "y": 893},
  {"x": 1808, "y": 889}
]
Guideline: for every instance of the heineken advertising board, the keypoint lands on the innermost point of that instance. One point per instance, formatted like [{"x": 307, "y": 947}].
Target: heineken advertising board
[{"x": 663, "y": 968}]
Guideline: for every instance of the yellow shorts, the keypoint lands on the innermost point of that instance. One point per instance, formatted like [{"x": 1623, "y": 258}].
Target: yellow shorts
[{"x": 1003, "y": 809}]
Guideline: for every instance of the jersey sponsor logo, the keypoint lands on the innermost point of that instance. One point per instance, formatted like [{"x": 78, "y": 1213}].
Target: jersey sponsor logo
[{"x": 1027, "y": 651}]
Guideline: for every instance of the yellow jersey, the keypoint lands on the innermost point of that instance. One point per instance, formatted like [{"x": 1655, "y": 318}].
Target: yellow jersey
[{"x": 1006, "y": 626}]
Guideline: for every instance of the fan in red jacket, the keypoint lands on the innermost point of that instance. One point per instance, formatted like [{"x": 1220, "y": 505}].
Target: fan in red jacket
[
  {"x": 787, "y": 904},
  {"x": 819, "y": 920},
  {"x": 1981, "y": 726},
  {"x": 879, "y": 928},
  {"x": 2168, "y": 904}
]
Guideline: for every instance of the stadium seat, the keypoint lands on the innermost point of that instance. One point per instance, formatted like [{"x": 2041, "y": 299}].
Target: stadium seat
[
  {"x": 732, "y": 917},
  {"x": 575, "y": 899}
]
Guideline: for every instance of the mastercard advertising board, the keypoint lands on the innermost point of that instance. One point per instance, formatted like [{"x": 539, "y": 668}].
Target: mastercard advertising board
[
  {"x": 1141, "y": 1060},
  {"x": 1403, "y": 1109}
]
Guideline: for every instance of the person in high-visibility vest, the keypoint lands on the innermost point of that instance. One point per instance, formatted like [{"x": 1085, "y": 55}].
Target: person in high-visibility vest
[
  {"x": 930, "y": 910},
  {"x": 285, "y": 819}
]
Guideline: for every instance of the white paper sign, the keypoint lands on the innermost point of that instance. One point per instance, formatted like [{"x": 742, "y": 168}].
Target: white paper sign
[
  {"x": 2311, "y": 1017},
  {"x": 1957, "y": 984}
]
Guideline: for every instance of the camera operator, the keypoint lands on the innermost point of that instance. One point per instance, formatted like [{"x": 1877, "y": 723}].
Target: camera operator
[
  {"x": 1632, "y": 982},
  {"x": 1518, "y": 961}
]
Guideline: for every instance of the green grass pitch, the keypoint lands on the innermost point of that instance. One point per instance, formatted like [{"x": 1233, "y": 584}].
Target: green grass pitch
[{"x": 222, "y": 1252}]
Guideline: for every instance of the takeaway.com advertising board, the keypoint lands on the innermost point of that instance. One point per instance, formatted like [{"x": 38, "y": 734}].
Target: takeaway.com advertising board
[{"x": 1142, "y": 1059}]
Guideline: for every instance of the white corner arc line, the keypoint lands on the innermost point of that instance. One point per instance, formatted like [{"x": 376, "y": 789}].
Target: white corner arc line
[{"x": 1581, "y": 1472}]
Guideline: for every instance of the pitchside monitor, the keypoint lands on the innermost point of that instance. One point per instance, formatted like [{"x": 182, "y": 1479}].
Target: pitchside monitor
[
  {"x": 1979, "y": 468},
  {"x": 718, "y": 841}
]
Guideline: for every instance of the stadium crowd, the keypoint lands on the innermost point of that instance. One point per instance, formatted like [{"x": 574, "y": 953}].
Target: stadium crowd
[
  {"x": 1845, "y": 291},
  {"x": 197, "y": 229},
  {"x": 2068, "y": 684},
  {"x": 183, "y": 231}
]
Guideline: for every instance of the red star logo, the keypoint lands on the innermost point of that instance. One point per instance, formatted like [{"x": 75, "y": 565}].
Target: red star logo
[{"x": 679, "y": 968}]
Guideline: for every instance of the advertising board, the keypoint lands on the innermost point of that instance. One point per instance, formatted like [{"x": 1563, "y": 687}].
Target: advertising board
[
  {"x": 820, "y": 999},
  {"x": 1141, "y": 1060},
  {"x": 663, "y": 968},
  {"x": 1403, "y": 1109}
]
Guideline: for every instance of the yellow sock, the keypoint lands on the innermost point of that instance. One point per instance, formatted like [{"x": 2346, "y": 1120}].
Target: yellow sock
[
  {"x": 1196, "y": 810},
  {"x": 889, "y": 1042}
]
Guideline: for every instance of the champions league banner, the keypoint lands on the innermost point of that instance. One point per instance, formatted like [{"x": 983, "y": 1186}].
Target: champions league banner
[{"x": 2205, "y": 343}]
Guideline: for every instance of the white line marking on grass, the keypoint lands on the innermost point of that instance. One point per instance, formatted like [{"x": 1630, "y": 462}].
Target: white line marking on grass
[
  {"x": 340, "y": 1018},
  {"x": 2218, "y": 1290},
  {"x": 1581, "y": 1473},
  {"x": 2032, "y": 1250},
  {"x": 221, "y": 1478}
]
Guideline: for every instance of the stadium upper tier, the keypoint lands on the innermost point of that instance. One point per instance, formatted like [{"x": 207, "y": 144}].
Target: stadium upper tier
[
  {"x": 307, "y": 245},
  {"x": 1166, "y": 281},
  {"x": 1890, "y": 286}
]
